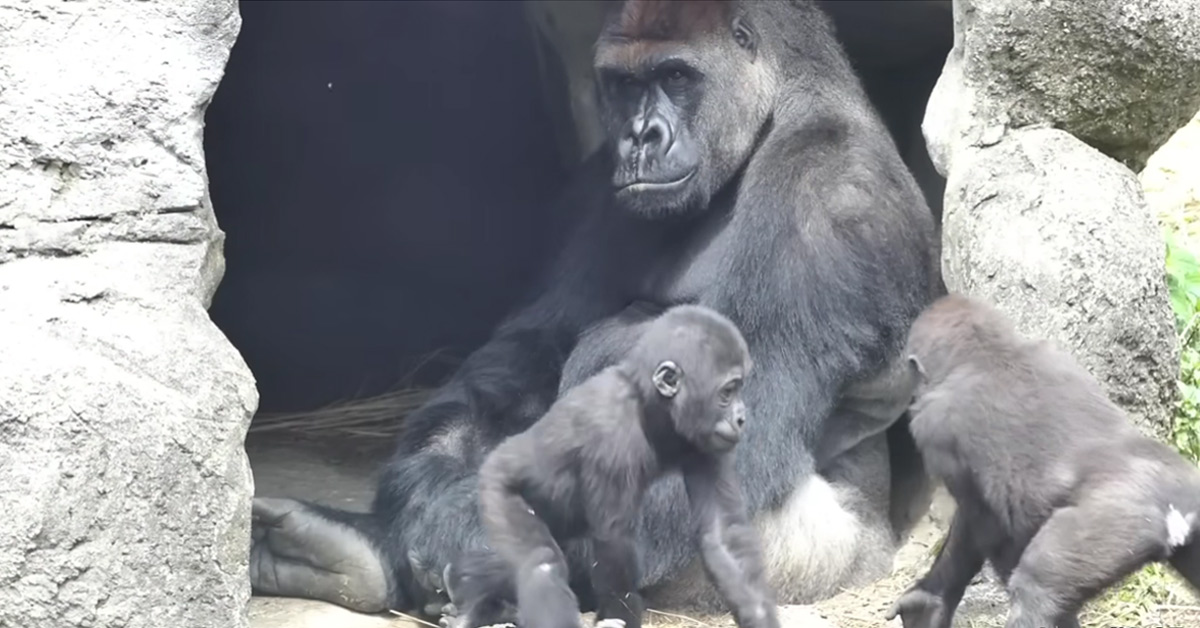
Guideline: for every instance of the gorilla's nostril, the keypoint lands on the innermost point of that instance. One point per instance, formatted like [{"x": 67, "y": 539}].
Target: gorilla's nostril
[
  {"x": 652, "y": 136},
  {"x": 741, "y": 421}
]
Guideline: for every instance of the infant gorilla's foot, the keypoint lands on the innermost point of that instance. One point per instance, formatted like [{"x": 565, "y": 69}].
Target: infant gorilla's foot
[
  {"x": 298, "y": 552},
  {"x": 451, "y": 619},
  {"x": 919, "y": 608}
]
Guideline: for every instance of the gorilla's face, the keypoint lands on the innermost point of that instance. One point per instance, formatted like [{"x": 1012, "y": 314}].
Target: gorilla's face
[{"x": 681, "y": 114}]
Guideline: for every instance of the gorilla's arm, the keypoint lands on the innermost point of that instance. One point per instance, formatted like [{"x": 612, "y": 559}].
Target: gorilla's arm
[
  {"x": 826, "y": 264},
  {"x": 426, "y": 493},
  {"x": 424, "y": 512}
]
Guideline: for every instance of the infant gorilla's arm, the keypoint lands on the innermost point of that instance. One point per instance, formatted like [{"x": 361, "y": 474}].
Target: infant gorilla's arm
[{"x": 729, "y": 543}]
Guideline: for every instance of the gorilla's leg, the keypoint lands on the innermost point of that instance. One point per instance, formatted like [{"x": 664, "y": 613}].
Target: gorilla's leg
[
  {"x": 303, "y": 550},
  {"x": 1080, "y": 551},
  {"x": 832, "y": 532},
  {"x": 482, "y": 591},
  {"x": 1186, "y": 561},
  {"x": 318, "y": 553}
]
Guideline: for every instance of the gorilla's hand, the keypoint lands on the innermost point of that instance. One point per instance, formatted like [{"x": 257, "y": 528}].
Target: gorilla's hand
[
  {"x": 296, "y": 551},
  {"x": 919, "y": 608}
]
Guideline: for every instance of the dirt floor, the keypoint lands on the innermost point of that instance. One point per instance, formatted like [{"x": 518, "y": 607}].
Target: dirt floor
[{"x": 339, "y": 472}]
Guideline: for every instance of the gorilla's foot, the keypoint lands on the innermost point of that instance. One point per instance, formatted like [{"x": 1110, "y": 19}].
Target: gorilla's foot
[{"x": 297, "y": 552}]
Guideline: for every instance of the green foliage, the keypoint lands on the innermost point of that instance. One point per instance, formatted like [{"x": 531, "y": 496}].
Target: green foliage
[
  {"x": 1185, "y": 431},
  {"x": 1183, "y": 282}
]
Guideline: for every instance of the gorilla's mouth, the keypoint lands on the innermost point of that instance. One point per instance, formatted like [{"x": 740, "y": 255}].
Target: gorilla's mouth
[
  {"x": 641, "y": 186},
  {"x": 718, "y": 443}
]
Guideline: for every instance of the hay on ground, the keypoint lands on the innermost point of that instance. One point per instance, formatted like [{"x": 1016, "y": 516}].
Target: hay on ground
[{"x": 372, "y": 417}]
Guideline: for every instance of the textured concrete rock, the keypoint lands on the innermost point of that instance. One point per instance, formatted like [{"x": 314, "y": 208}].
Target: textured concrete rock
[
  {"x": 1060, "y": 238},
  {"x": 123, "y": 480},
  {"x": 1122, "y": 75}
]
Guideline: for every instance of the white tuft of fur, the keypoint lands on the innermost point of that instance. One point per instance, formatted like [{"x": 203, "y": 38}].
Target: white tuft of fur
[
  {"x": 1179, "y": 526},
  {"x": 611, "y": 623},
  {"x": 810, "y": 542},
  {"x": 545, "y": 567},
  {"x": 813, "y": 547}
]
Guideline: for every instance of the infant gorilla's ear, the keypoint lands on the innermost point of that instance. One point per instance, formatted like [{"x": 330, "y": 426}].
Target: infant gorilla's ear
[{"x": 667, "y": 379}]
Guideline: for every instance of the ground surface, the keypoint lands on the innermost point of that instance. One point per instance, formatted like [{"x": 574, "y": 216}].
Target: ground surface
[{"x": 339, "y": 472}]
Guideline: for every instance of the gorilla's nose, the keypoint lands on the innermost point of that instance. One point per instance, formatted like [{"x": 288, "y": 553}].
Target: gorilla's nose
[{"x": 653, "y": 135}]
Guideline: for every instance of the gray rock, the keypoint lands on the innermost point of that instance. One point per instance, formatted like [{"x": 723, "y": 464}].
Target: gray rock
[
  {"x": 123, "y": 479},
  {"x": 1121, "y": 75},
  {"x": 1059, "y": 237}
]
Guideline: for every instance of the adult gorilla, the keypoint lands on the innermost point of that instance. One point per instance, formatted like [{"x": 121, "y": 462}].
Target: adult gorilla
[{"x": 745, "y": 170}]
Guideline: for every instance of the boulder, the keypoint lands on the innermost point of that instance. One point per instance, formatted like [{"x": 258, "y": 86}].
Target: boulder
[
  {"x": 1039, "y": 220},
  {"x": 1120, "y": 75},
  {"x": 1059, "y": 236},
  {"x": 123, "y": 479}
]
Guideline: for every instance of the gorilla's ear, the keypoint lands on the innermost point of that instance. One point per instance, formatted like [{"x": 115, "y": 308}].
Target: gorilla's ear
[
  {"x": 666, "y": 378},
  {"x": 916, "y": 368}
]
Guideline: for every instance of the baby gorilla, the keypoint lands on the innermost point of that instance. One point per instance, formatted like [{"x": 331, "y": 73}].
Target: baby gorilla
[
  {"x": 1053, "y": 485},
  {"x": 673, "y": 403}
]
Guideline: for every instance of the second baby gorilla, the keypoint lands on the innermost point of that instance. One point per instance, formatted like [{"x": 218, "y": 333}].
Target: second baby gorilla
[{"x": 1053, "y": 484}]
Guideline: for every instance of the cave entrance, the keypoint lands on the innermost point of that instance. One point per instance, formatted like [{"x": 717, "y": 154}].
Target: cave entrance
[{"x": 383, "y": 172}]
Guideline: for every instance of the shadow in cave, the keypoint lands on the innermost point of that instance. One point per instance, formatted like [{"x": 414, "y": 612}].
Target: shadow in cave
[{"x": 383, "y": 172}]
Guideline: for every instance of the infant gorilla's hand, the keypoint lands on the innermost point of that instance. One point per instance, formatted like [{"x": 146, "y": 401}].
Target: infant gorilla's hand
[{"x": 919, "y": 608}]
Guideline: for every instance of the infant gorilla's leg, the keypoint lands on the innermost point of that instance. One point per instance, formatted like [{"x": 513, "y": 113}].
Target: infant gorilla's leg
[
  {"x": 1080, "y": 551},
  {"x": 1186, "y": 561},
  {"x": 481, "y": 591},
  {"x": 544, "y": 598}
]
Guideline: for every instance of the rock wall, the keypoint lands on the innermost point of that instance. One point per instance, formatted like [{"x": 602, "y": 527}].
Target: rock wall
[
  {"x": 1037, "y": 218},
  {"x": 123, "y": 480}
]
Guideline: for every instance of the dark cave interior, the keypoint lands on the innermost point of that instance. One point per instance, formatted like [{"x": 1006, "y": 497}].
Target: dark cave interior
[{"x": 382, "y": 171}]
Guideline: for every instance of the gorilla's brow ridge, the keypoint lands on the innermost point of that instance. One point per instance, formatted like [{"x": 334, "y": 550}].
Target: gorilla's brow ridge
[{"x": 671, "y": 19}]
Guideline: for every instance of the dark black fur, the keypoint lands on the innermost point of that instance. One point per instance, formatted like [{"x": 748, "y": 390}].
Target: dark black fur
[
  {"x": 798, "y": 222},
  {"x": 1053, "y": 485},
  {"x": 581, "y": 472}
]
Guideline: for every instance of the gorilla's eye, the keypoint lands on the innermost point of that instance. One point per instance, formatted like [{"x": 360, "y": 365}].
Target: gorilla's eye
[
  {"x": 676, "y": 77},
  {"x": 620, "y": 82},
  {"x": 742, "y": 34},
  {"x": 729, "y": 391}
]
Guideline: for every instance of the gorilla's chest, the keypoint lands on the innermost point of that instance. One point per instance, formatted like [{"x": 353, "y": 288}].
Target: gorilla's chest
[{"x": 694, "y": 266}]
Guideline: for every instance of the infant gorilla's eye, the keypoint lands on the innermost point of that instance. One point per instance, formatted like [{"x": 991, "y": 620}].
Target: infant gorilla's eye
[{"x": 729, "y": 391}]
